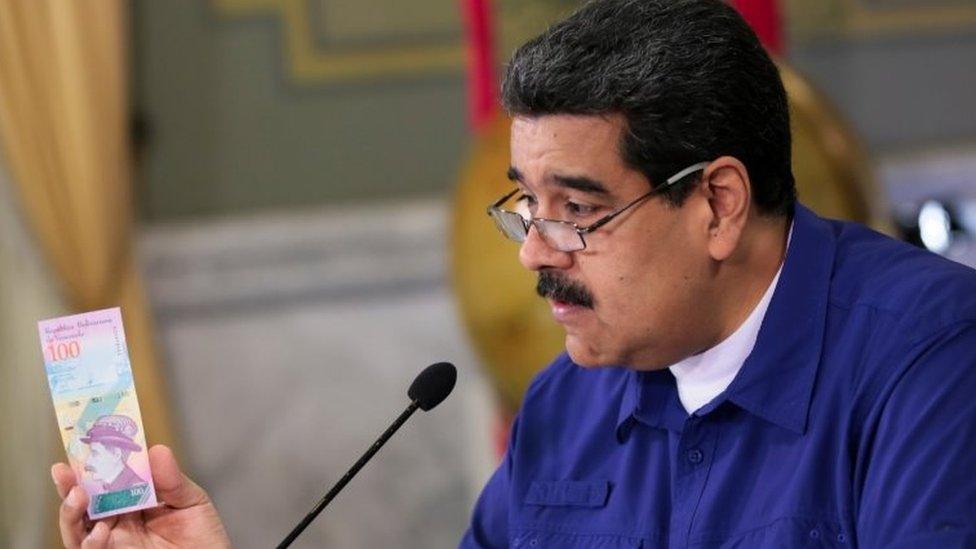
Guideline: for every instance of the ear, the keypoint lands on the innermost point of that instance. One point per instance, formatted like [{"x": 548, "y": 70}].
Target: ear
[{"x": 729, "y": 194}]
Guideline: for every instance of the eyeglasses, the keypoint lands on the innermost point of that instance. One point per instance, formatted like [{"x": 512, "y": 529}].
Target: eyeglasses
[{"x": 567, "y": 236}]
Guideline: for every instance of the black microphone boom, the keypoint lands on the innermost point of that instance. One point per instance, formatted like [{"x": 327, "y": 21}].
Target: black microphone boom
[{"x": 429, "y": 389}]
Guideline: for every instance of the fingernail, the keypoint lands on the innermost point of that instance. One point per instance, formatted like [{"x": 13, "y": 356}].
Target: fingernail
[{"x": 98, "y": 530}]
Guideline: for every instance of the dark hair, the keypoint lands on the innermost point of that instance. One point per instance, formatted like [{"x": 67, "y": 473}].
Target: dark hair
[{"x": 689, "y": 76}]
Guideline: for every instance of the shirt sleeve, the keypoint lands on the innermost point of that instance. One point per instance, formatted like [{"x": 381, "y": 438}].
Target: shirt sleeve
[
  {"x": 920, "y": 486},
  {"x": 489, "y": 520}
]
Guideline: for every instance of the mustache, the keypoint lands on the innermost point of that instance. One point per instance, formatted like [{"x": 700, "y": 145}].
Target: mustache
[{"x": 558, "y": 288}]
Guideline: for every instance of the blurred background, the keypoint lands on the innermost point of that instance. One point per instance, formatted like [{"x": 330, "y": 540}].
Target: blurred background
[{"x": 286, "y": 198}]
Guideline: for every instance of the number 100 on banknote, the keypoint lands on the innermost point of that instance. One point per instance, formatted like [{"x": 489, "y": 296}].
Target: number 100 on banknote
[{"x": 88, "y": 370}]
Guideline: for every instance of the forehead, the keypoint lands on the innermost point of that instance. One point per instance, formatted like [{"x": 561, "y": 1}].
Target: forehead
[{"x": 546, "y": 147}]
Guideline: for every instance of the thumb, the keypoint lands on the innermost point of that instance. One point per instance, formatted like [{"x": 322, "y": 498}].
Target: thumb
[{"x": 173, "y": 487}]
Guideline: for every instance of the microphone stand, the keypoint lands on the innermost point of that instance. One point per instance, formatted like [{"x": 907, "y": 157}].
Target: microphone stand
[{"x": 348, "y": 476}]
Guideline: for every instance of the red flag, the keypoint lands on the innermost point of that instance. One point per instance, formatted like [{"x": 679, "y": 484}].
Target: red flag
[
  {"x": 764, "y": 18},
  {"x": 482, "y": 89}
]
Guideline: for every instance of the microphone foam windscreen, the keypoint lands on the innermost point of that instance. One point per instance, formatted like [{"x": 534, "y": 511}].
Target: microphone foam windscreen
[{"x": 433, "y": 385}]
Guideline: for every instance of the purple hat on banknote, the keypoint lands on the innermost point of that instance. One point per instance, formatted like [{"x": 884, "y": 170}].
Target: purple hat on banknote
[{"x": 113, "y": 430}]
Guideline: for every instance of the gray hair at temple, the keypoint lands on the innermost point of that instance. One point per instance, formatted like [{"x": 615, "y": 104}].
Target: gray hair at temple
[{"x": 689, "y": 76}]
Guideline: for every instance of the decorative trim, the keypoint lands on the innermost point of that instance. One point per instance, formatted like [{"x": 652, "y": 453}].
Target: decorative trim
[
  {"x": 874, "y": 18},
  {"x": 309, "y": 64}
]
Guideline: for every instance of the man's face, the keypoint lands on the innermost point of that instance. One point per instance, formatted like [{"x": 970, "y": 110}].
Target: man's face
[
  {"x": 645, "y": 272},
  {"x": 103, "y": 461}
]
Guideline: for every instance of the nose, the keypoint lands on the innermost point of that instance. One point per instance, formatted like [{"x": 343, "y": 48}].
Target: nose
[{"x": 536, "y": 254}]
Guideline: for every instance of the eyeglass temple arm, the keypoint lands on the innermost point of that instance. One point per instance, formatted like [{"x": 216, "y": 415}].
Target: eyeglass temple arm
[
  {"x": 606, "y": 219},
  {"x": 680, "y": 175},
  {"x": 670, "y": 181},
  {"x": 501, "y": 201}
]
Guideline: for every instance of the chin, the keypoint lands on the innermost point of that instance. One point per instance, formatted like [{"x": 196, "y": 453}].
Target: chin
[{"x": 589, "y": 356}]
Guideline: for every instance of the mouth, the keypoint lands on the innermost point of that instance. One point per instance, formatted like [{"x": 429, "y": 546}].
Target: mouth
[{"x": 564, "y": 311}]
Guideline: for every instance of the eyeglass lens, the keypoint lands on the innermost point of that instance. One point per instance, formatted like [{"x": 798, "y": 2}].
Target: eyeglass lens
[
  {"x": 510, "y": 223},
  {"x": 557, "y": 234}
]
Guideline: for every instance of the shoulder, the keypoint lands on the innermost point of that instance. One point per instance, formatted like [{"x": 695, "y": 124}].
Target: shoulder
[
  {"x": 895, "y": 314},
  {"x": 901, "y": 322},
  {"x": 919, "y": 292}
]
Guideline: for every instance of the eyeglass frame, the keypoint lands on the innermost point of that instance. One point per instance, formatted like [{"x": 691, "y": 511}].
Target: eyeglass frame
[{"x": 580, "y": 231}]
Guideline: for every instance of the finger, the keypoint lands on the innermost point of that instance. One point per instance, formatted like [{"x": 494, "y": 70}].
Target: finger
[
  {"x": 173, "y": 487},
  {"x": 111, "y": 521},
  {"x": 71, "y": 517},
  {"x": 98, "y": 537},
  {"x": 64, "y": 478}
]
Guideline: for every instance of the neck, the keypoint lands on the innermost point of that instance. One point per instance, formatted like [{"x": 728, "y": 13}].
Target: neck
[
  {"x": 114, "y": 472},
  {"x": 744, "y": 277}
]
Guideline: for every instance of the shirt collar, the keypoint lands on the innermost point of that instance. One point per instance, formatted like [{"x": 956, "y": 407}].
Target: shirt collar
[
  {"x": 652, "y": 399},
  {"x": 776, "y": 380},
  {"x": 702, "y": 377},
  {"x": 628, "y": 404}
]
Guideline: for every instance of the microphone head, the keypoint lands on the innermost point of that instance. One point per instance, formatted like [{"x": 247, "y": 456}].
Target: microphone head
[{"x": 433, "y": 385}]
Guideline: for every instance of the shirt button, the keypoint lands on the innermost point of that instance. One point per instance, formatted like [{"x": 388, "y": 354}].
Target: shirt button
[
  {"x": 695, "y": 456},
  {"x": 841, "y": 538},
  {"x": 815, "y": 534}
]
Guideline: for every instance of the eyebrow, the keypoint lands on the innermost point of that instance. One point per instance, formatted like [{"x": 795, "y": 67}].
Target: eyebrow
[{"x": 579, "y": 183}]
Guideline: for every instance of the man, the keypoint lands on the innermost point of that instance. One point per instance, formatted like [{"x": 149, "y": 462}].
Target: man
[
  {"x": 110, "y": 442},
  {"x": 783, "y": 380},
  {"x": 739, "y": 372}
]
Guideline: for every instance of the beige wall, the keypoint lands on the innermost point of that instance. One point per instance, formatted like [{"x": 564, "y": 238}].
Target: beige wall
[{"x": 233, "y": 129}]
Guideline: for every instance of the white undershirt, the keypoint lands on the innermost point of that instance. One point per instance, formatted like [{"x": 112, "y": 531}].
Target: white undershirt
[{"x": 704, "y": 376}]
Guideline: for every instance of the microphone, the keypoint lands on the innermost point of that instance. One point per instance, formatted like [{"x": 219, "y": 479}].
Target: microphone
[{"x": 428, "y": 389}]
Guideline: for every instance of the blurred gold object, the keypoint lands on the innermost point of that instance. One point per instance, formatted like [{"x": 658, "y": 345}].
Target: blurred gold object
[
  {"x": 512, "y": 329},
  {"x": 832, "y": 171}
]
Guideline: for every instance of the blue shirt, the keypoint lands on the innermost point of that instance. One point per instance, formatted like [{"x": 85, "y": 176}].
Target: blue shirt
[{"x": 851, "y": 423}]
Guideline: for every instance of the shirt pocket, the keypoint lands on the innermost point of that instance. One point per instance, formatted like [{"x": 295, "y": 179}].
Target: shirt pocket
[
  {"x": 542, "y": 539},
  {"x": 568, "y": 493},
  {"x": 785, "y": 532},
  {"x": 567, "y": 514}
]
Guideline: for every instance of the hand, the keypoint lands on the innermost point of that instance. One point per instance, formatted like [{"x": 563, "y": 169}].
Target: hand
[{"x": 186, "y": 517}]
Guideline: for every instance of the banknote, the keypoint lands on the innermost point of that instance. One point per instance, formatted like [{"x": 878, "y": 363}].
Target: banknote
[{"x": 88, "y": 370}]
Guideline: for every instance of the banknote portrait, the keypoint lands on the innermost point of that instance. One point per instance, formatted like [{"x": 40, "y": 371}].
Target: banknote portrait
[{"x": 110, "y": 441}]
